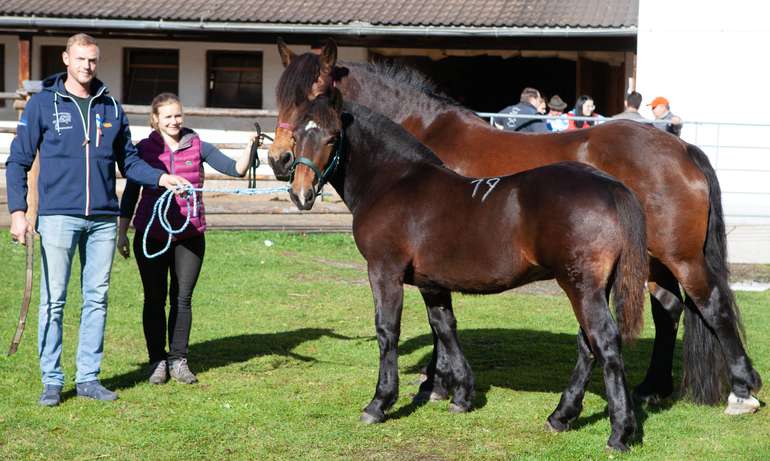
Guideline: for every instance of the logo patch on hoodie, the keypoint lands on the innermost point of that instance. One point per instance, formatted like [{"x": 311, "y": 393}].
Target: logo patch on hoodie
[{"x": 64, "y": 121}]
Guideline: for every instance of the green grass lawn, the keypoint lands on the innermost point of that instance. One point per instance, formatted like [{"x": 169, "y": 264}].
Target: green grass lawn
[{"x": 283, "y": 344}]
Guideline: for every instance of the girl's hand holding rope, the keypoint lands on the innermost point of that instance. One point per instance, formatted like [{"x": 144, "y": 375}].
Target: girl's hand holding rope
[{"x": 175, "y": 183}]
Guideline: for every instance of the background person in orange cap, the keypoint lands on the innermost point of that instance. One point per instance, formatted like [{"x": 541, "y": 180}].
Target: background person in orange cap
[{"x": 662, "y": 111}]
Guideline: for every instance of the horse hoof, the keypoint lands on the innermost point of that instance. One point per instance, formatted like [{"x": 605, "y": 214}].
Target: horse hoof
[
  {"x": 436, "y": 397},
  {"x": 368, "y": 418},
  {"x": 616, "y": 446},
  {"x": 740, "y": 406},
  {"x": 455, "y": 408},
  {"x": 549, "y": 427}
]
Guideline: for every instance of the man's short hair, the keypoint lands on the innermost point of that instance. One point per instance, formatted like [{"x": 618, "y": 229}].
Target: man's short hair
[
  {"x": 634, "y": 99},
  {"x": 80, "y": 40},
  {"x": 527, "y": 93}
]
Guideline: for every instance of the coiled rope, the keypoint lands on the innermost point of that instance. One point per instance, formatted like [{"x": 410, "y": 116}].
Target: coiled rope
[{"x": 162, "y": 205}]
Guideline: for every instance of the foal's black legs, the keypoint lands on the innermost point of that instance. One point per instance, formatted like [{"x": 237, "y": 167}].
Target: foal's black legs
[
  {"x": 604, "y": 339},
  {"x": 388, "y": 293},
  {"x": 450, "y": 368},
  {"x": 667, "y": 306},
  {"x": 433, "y": 388},
  {"x": 571, "y": 403}
]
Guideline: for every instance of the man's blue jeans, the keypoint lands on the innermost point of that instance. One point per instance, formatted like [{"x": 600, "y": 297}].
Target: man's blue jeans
[{"x": 60, "y": 235}]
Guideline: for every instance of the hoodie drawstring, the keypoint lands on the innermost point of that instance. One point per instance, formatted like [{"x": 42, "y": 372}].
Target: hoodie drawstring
[
  {"x": 115, "y": 105},
  {"x": 56, "y": 111}
]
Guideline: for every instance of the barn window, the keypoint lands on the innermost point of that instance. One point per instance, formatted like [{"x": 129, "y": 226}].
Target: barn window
[
  {"x": 148, "y": 72},
  {"x": 51, "y": 61},
  {"x": 234, "y": 79}
]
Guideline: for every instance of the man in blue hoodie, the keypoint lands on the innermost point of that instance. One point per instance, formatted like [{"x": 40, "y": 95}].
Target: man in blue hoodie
[{"x": 81, "y": 132}]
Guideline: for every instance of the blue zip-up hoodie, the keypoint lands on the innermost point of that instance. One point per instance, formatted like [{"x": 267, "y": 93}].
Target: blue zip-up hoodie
[{"x": 78, "y": 153}]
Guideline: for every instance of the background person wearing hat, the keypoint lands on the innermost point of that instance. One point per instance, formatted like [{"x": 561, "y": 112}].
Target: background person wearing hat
[
  {"x": 556, "y": 108},
  {"x": 662, "y": 111}
]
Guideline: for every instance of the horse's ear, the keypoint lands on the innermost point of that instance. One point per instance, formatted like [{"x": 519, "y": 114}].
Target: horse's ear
[
  {"x": 339, "y": 72},
  {"x": 328, "y": 55},
  {"x": 286, "y": 54}
]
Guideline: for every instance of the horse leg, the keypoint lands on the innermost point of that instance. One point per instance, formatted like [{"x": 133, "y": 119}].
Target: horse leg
[
  {"x": 571, "y": 402},
  {"x": 667, "y": 306},
  {"x": 388, "y": 291},
  {"x": 711, "y": 302},
  {"x": 593, "y": 313},
  {"x": 452, "y": 369},
  {"x": 433, "y": 388}
]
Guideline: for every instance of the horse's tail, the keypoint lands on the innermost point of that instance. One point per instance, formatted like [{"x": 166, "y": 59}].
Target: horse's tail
[
  {"x": 628, "y": 290},
  {"x": 705, "y": 377}
]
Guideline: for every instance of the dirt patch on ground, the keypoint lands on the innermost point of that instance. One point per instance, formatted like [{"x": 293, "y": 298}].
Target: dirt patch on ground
[
  {"x": 750, "y": 272},
  {"x": 738, "y": 273}
]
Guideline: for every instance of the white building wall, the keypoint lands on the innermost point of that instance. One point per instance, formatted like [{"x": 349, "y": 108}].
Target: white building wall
[
  {"x": 708, "y": 59},
  {"x": 11, "y": 74},
  {"x": 192, "y": 63}
]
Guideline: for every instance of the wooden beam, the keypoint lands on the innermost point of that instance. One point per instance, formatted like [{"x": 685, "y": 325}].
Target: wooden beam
[
  {"x": 25, "y": 51},
  {"x": 136, "y": 109},
  {"x": 25, "y": 44}
]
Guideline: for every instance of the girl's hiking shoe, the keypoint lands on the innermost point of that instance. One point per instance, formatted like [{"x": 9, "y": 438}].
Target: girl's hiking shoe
[
  {"x": 179, "y": 370},
  {"x": 159, "y": 372}
]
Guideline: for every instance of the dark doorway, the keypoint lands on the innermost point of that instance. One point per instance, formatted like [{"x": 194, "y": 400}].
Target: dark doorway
[
  {"x": 604, "y": 82},
  {"x": 490, "y": 83}
]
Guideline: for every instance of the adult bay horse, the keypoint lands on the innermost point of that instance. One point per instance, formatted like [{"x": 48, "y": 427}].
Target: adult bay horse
[
  {"x": 419, "y": 223},
  {"x": 673, "y": 180}
]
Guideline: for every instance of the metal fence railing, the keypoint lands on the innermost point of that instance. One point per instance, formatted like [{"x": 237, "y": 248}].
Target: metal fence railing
[{"x": 739, "y": 152}]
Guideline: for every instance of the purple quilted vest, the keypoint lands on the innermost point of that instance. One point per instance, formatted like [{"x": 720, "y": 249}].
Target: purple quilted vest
[{"x": 185, "y": 162}]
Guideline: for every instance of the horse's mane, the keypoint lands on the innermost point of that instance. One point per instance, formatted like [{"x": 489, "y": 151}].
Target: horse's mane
[
  {"x": 406, "y": 89},
  {"x": 297, "y": 80},
  {"x": 399, "y": 143},
  {"x": 399, "y": 74}
]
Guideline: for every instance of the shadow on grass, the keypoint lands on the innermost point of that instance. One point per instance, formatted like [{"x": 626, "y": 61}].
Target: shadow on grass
[
  {"x": 221, "y": 352},
  {"x": 533, "y": 361}
]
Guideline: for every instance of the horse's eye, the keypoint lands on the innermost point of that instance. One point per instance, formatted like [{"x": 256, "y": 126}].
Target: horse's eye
[{"x": 330, "y": 140}]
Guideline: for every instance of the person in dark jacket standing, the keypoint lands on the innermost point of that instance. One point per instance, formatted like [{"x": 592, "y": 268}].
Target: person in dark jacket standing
[
  {"x": 81, "y": 133},
  {"x": 171, "y": 147},
  {"x": 529, "y": 101}
]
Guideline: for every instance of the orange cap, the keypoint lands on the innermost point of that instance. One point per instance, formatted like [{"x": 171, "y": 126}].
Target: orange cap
[{"x": 658, "y": 101}]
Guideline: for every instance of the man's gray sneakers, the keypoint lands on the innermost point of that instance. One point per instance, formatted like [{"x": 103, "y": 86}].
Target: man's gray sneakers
[
  {"x": 51, "y": 395},
  {"x": 158, "y": 372},
  {"x": 179, "y": 370},
  {"x": 95, "y": 390}
]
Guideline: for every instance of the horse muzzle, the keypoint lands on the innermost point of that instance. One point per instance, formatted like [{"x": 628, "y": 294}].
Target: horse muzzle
[
  {"x": 282, "y": 165},
  {"x": 304, "y": 200}
]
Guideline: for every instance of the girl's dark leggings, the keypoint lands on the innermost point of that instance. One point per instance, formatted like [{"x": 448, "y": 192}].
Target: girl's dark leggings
[{"x": 181, "y": 263}]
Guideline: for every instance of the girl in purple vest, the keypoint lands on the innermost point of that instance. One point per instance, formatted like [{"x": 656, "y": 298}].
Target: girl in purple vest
[{"x": 177, "y": 150}]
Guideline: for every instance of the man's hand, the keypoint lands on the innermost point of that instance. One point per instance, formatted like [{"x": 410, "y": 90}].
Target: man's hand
[
  {"x": 20, "y": 226},
  {"x": 173, "y": 182},
  {"x": 123, "y": 246}
]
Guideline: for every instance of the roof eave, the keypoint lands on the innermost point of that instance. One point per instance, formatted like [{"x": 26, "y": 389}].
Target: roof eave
[{"x": 352, "y": 28}]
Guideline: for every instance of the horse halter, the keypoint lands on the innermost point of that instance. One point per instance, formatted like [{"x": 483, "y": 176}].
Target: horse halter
[{"x": 331, "y": 166}]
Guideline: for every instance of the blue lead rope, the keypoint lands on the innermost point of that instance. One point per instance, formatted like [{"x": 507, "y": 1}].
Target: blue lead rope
[{"x": 160, "y": 210}]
